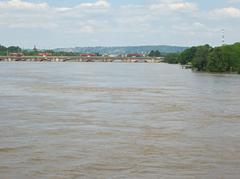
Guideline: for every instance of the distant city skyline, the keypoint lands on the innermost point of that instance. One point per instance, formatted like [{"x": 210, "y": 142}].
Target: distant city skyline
[{"x": 69, "y": 23}]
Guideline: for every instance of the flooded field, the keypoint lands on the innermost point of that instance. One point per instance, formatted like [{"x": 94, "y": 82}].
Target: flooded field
[{"x": 106, "y": 120}]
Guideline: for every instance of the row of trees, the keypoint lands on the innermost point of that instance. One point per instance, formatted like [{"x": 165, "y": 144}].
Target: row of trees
[
  {"x": 156, "y": 53},
  {"x": 206, "y": 58},
  {"x": 15, "y": 49},
  {"x": 5, "y": 50}
]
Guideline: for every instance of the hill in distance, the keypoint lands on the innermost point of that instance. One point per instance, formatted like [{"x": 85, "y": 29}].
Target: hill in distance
[{"x": 124, "y": 50}]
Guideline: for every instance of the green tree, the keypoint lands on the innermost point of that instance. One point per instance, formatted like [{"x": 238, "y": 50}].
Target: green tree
[
  {"x": 219, "y": 59},
  {"x": 156, "y": 53},
  {"x": 3, "y": 50},
  {"x": 172, "y": 58},
  {"x": 187, "y": 55},
  {"x": 199, "y": 60},
  {"x": 14, "y": 49}
]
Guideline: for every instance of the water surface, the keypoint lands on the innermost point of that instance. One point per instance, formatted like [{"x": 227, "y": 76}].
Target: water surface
[{"x": 106, "y": 120}]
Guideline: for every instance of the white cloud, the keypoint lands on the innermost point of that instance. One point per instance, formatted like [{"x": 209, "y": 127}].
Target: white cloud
[
  {"x": 169, "y": 6},
  {"x": 233, "y": 1},
  {"x": 20, "y": 4},
  {"x": 227, "y": 12},
  {"x": 161, "y": 22},
  {"x": 102, "y": 4},
  {"x": 183, "y": 6},
  {"x": 49, "y": 17}
]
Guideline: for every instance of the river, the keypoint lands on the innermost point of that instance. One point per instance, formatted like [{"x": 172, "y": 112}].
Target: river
[{"x": 115, "y": 120}]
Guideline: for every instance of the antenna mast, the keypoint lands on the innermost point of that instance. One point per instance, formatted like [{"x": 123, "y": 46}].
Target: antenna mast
[{"x": 223, "y": 37}]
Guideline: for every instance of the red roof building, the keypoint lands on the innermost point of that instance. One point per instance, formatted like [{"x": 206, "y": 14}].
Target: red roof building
[
  {"x": 88, "y": 55},
  {"x": 44, "y": 54}
]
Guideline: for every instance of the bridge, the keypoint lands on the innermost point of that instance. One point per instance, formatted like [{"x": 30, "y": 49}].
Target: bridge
[{"x": 83, "y": 59}]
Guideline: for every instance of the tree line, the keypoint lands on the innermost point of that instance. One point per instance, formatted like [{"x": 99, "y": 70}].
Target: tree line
[
  {"x": 225, "y": 58},
  {"x": 12, "y": 49},
  {"x": 4, "y": 51}
]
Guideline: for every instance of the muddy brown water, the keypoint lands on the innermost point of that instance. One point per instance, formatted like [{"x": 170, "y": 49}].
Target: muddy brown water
[{"x": 103, "y": 120}]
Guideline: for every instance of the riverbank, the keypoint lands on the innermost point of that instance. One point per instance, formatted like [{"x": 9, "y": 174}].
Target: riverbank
[
  {"x": 223, "y": 59},
  {"x": 82, "y": 59}
]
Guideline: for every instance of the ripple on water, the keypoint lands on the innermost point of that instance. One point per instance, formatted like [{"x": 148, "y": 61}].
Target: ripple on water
[{"x": 79, "y": 120}]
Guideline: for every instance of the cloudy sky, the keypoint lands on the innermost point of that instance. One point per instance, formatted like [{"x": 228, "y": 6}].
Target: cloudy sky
[{"x": 70, "y": 23}]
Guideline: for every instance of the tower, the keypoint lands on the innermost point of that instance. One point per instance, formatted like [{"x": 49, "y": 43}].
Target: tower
[
  {"x": 35, "y": 48},
  {"x": 223, "y": 37}
]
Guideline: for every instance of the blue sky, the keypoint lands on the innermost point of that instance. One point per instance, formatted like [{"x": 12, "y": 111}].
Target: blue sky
[{"x": 70, "y": 23}]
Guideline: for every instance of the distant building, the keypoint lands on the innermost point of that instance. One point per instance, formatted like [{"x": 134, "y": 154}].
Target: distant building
[
  {"x": 44, "y": 54},
  {"x": 88, "y": 55},
  {"x": 112, "y": 55},
  {"x": 135, "y": 55},
  {"x": 15, "y": 54},
  {"x": 35, "y": 48}
]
